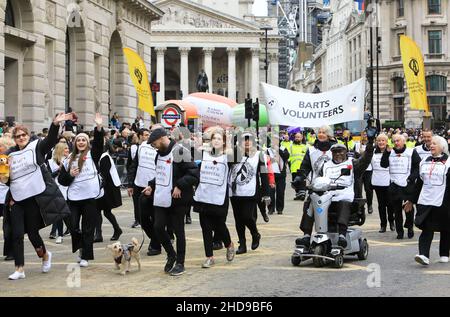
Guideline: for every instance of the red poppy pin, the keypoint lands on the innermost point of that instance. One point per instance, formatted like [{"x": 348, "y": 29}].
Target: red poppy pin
[
  {"x": 350, "y": 167},
  {"x": 84, "y": 158},
  {"x": 169, "y": 161}
]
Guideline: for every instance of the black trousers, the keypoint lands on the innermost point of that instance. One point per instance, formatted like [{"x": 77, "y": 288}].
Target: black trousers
[
  {"x": 397, "y": 208},
  {"x": 26, "y": 217},
  {"x": 175, "y": 217},
  {"x": 384, "y": 209},
  {"x": 57, "y": 227},
  {"x": 86, "y": 211},
  {"x": 136, "y": 194},
  {"x": 425, "y": 239},
  {"x": 107, "y": 212},
  {"x": 303, "y": 184},
  {"x": 217, "y": 224},
  {"x": 148, "y": 221},
  {"x": 244, "y": 210},
  {"x": 367, "y": 181},
  {"x": 277, "y": 193}
]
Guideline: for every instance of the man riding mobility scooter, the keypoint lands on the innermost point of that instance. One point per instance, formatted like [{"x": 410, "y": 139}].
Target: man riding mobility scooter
[{"x": 333, "y": 207}]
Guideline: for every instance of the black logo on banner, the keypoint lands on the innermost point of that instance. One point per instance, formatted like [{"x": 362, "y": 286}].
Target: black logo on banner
[
  {"x": 414, "y": 66},
  {"x": 138, "y": 74}
]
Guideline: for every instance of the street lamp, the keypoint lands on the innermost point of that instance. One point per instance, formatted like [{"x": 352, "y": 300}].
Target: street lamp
[{"x": 266, "y": 67}]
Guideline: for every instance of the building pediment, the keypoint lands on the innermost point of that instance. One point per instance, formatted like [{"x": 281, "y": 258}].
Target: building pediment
[{"x": 188, "y": 16}]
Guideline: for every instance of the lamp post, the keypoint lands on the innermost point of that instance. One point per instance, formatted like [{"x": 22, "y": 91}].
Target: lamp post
[{"x": 266, "y": 66}]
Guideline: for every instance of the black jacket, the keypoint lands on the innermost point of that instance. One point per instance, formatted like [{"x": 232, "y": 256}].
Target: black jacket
[
  {"x": 185, "y": 173},
  {"x": 65, "y": 178},
  {"x": 112, "y": 197},
  {"x": 431, "y": 217},
  {"x": 51, "y": 202}
]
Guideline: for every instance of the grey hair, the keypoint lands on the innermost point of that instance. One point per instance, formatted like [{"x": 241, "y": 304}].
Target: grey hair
[
  {"x": 398, "y": 135},
  {"x": 382, "y": 136},
  {"x": 442, "y": 143},
  {"x": 328, "y": 130}
]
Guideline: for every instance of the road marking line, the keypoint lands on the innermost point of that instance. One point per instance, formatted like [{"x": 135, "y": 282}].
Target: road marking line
[{"x": 437, "y": 272}]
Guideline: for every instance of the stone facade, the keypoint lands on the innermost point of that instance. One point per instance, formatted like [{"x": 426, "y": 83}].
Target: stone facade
[
  {"x": 222, "y": 38},
  {"x": 60, "y": 53}
]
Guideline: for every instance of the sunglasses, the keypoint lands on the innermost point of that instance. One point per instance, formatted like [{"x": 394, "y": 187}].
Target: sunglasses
[{"x": 18, "y": 136}]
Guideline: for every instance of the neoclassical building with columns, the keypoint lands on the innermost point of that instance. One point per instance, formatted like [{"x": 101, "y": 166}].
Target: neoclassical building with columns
[
  {"x": 223, "y": 38},
  {"x": 56, "y": 54}
]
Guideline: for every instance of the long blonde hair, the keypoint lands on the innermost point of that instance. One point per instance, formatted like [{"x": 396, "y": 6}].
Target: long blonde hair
[
  {"x": 58, "y": 154},
  {"x": 75, "y": 152}
]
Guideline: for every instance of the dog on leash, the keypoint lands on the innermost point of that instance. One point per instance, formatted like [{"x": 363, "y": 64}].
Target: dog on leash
[{"x": 123, "y": 253}]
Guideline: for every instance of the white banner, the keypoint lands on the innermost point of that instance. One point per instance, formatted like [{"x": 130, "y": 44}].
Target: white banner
[{"x": 292, "y": 108}]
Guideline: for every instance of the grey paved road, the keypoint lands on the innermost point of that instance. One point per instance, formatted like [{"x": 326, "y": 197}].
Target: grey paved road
[{"x": 264, "y": 272}]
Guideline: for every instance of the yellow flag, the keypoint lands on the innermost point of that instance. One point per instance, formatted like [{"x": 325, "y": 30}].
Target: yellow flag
[
  {"x": 138, "y": 74},
  {"x": 414, "y": 69}
]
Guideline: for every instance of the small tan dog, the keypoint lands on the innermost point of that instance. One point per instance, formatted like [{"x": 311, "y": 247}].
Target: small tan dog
[{"x": 122, "y": 254}]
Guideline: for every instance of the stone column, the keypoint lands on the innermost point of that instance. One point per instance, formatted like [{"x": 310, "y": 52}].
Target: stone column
[
  {"x": 208, "y": 51},
  {"x": 273, "y": 69},
  {"x": 232, "y": 72},
  {"x": 255, "y": 73},
  {"x": 160, "y": 96},
  {"x": 184, "y": 71}
]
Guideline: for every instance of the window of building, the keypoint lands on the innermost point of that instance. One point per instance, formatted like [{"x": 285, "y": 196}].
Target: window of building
[
  {"x": 398, "y": 85},
  {"x": 399, "y": 109},
  {"x": 9, "y": 14},
  {"x": 435, "y": 42},
  {"x": 400, "y": 8},
  {"x": 436, "y": 83},
  {"x": 438, "y": 107},
  {"x": 434, "y": 6}
]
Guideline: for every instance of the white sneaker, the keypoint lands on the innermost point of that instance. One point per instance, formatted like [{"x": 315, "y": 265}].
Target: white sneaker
[
  {"x": 46, "y": 265},
  {"x": 422, "y": 259},
  {"x": 84, "y": 263},
  {"x": 443, "y": 259},
  {"x": 17, "y": 275},
  {"x": 59, "y": 240}
]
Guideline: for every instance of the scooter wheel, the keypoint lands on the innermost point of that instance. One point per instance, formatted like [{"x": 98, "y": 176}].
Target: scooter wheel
[
  {"x": 339, "y": 261},
  {"x": 363, "y": 250},
  {"x": 296, "y": 260}
]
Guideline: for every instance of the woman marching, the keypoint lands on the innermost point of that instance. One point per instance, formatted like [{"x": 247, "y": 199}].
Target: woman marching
[
  {"x": 60, "y": 153},
  {"x": 433, "y": 207},
  {"x": 380, "y": 181},
  {"x": 246, "y": 177},
  {"x": 110, "y": 198},
  {"x": 35, "y": 200},
  {"x": 81, "y": 175},
  {"x": 213, "y": 209}
]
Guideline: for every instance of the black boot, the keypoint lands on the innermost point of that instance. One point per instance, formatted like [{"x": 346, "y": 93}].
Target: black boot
[
  {"x": 116, "y": 235},
  {"x": 255, "y": 241},
  {"x": 242, "y": 248},
  {"x": 98, "y": 236},
  {"x": 382, "y": 229}
]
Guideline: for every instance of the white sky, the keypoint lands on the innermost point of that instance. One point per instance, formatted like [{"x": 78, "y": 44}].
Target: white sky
[{"x": 260, "y": 8}]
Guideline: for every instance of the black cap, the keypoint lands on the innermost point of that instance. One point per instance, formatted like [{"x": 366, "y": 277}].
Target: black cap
[{"x": 157, "y": 134}]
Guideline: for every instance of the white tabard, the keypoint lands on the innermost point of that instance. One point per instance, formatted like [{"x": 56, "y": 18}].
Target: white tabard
[
  {"x": 112, "y": 170},
  {"x": 25, "y": 174},
  {"x": 318, "y": 158},
  {"x": 86, "y": 185},
  {"x": 434, "y": 177},
  {"x": 380, "y": 175},
  {"x": 3, "y": 191},
  {"x": 422, "y": 152},
  {"x": 246, "y": 180},
  {"x": 53, "y": 168},
  {"x": 333, "y": 171},
  {"x": 164, "y": 180},
  {"x": 146, "y": 170},
  {"x": 400, "y": 167},
  {"x": 213, "y": 180}
]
